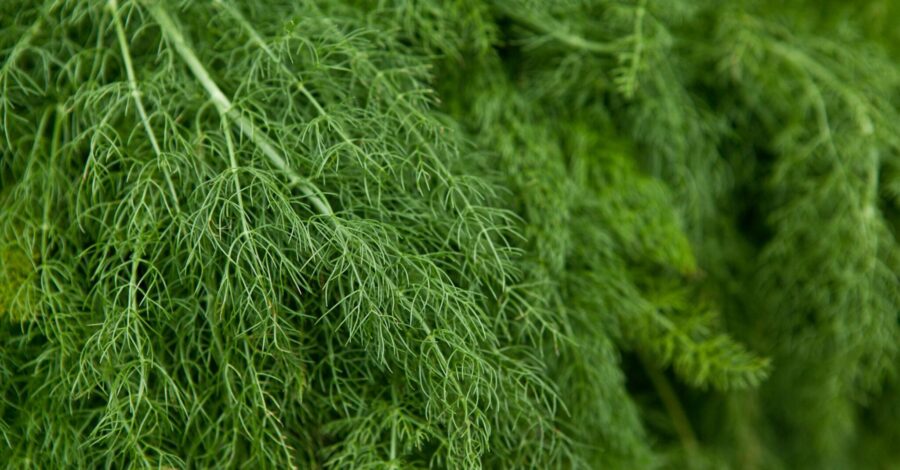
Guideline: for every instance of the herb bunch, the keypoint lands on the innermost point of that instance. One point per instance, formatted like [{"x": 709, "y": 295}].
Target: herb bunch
[{"x": 448, "y": 234}]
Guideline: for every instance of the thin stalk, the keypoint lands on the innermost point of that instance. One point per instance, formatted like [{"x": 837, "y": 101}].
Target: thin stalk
[
  {"x": 11, "y": 59},
  {"x": 238, "y": 189},
  {"x": 113, "y": 6},
  {"x": 48, "y": 194},
  {"x": 257, "y": 39},
  {"x": 560, "y": 34},
  {"x": 36, "y": 145},
  {"x": 133, "y": 290},
  {"x": 438, "y": 162},
  {"x": 226, "y": 108},
  {"x": 638, "y": 35},
  {"x": 22, "y": 43},
  {"x": 261, "y": 43},
  {"x": 673, "y": 407},
  {"x": 814, "y": 68},
  {"x": 233, "y": 166},
  {"x": 393, "y": 455}
]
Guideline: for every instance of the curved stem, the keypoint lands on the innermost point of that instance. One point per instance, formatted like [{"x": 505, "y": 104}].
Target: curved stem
[
  {"x": 113, "y": 5},
  {"x": 225, "y": 107},
  {"x": 8, "y": 64},
  {"x": 676, "y": 412}
]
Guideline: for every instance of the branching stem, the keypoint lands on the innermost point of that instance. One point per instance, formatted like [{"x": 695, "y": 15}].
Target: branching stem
[
  {"x": 560, "y": 33},
  {"x": 113, "y": 6},
  {"x": 261, "y": 43},
  {"x": 225, "y": 107}
]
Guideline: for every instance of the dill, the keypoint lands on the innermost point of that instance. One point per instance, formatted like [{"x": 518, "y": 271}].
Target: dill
[{"x": 448, "y": 234}]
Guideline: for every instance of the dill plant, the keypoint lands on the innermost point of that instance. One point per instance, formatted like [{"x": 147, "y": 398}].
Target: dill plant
[{"x": 448, "y": 234}]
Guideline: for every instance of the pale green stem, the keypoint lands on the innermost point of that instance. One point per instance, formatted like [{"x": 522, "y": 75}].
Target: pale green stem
[
  {"x": 113, "y": 6},
  {"x": 11, "y": 59},
  {"x": 224, "y": 106},
  {"x": 54, "y": 150},
  {"x": 394, "y": 402},
  {"x": 559, "y": 33},
  {"x": 258, "y": 40},
  {"x": 634, "y": 67}
]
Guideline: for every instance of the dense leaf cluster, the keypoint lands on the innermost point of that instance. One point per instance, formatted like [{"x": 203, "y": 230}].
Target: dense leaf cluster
[{"x": 449, "y": 234}]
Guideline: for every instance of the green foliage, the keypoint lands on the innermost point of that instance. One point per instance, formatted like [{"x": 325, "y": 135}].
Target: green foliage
[{"x": 449, "y": 234}]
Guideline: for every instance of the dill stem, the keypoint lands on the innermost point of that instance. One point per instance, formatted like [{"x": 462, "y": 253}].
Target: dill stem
[
  {"x": 239, "y": 192},
  {"x": 20, "y": 45},
  {"x": 225, "y": 107},
  {"x": 339, "y": 129},
  {"x": 638, "y": 35},
  {"x": 258, "y": 40},
  {"x": 113, "y": 6},
  {"x": 261, "y": 43},
  {"x": 393, "y": 455},
  {"x": 558, "y": 33},
  {"x": 673, "y": 407},
  {"x": 54, "y": 150},
  {"x": 301, "y": 87},
  {"x": 11, "y": 59}
]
